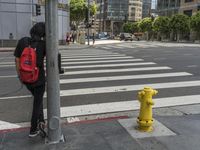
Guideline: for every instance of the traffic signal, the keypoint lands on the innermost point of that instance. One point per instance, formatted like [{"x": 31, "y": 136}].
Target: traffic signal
[
  {"x": 88, "y": 25},
  {"x": 86, "y": 16},
  {"x": 38, "y": 10},
  {"x": 92, "y": 21}
]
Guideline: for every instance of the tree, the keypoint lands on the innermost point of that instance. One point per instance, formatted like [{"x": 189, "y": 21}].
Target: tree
[
  {"x": 78, "y": 11},
  {"x": 135, "y": 27},
  {"x": 195, "y": 24},
  {"x": 180, "y": 24},
  {"x": 161, "y": 26},
  {"x": 93, "y": 9},
  {"x": 127, "y": 27},
  {"x": 145, "y": 25}
]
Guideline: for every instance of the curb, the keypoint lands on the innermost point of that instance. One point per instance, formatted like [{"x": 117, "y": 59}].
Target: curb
[
  {"x": 64, "y": 122},
  {"x": 61, "y": 48}
]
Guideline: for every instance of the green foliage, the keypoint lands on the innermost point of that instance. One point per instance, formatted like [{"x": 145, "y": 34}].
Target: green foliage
[
  {"x": 131, "y": 27},
  {"x": 78, "y": 9},
  {"x": 135, "y": 27},
  {"x": 161, "y": 24},
  {"x": 127, "y": 27},
  {"x": 93, "y": 9},
  {"x": 145, "y": 25},
  {"x": 180, "y": 23},
  {"x": 195, "y": 22}
]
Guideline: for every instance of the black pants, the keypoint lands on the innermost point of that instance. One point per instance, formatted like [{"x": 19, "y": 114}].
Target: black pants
[{"x": 37, "y": 113}]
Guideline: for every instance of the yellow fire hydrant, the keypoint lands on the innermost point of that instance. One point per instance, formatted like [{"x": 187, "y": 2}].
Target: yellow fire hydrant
[{"x": 145, "y": 119}]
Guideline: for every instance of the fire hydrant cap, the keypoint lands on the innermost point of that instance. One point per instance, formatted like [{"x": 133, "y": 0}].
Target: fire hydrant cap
[{"x": 147, "y": 88}]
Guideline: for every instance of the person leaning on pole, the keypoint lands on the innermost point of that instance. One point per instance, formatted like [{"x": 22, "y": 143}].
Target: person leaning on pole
[{"x": 37, "y": 88}]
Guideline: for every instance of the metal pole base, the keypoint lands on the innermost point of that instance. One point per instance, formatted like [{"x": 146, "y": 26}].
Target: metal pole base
[{"x": 62, "y": 140}]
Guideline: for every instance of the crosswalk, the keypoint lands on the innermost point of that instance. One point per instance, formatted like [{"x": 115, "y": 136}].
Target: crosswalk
[
  {"x": 144, "y": 45},
  {"x": 100, "y": 81},
  {"x": 133, "y": 45}
]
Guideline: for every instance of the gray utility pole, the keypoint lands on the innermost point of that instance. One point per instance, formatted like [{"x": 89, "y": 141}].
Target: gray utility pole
[
  {"x": 53, "y": 85},
  {"x": 88, "y": 22}
]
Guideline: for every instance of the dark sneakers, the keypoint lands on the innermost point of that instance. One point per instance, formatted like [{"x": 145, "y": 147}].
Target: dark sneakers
[
  {"x": 41, "y": 127},
  {"x": 33, "y": 133},
  {"x": 39, "y": 131}
]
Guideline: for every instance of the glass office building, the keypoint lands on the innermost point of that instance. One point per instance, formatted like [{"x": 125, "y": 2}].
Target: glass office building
[
  {"x": 111, "y": 15},
  {"x": 171, "y": 7},
  {"x": 117, "y": 9},
  {"x": 146, "y": 8},
  {"x": 168, "y": 7}
]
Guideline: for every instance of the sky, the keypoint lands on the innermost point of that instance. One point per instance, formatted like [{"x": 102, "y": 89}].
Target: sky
[{"x": 153, "y": 6}]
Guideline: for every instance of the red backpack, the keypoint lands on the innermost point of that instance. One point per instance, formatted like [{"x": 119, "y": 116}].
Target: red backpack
[{"x": 28, "y": 69}]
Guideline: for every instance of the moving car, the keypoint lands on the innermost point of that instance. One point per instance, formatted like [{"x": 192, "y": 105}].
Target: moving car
[{"x": 125, "y": 37}]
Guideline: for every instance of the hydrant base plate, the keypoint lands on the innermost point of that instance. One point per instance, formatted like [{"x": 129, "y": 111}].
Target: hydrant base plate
[{"x": 145, "y": 128}]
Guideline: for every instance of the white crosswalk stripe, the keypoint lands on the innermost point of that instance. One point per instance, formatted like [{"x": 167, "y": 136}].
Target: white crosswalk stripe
[
  {"x": 114, "y": 70},
  {"x": 101, "y": 58},
  {"x": 7, "y": 63},
  {"x": 114, "y": 89},
  {"x": 122, "y": 106},
  {"x": 104, "y": 47},
  {"x": 102, "y": 61},
  {"x": 109, "y": 65},
  {"x": 133, "y": 45},
  {"x": 127, "y": 88},
  {"x": 112, "y": 78},
  {"x": 91, "y": 56}
]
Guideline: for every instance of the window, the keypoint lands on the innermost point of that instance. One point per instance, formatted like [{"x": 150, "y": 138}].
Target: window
[
  {"x": 187, "y": 1},
  {"x": 198, "y": 8},
  {"x": 188, "y": 12}
]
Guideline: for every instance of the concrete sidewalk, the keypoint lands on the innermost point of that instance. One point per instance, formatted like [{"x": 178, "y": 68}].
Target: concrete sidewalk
[
  {"x": 61, "y": 47},
  {"x": 70, "y": 46},
  {"x": 173, "y": 130}
]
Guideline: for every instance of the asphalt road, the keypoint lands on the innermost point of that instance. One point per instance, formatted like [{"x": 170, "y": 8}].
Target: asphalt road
[{"x": 110, "y": 75}]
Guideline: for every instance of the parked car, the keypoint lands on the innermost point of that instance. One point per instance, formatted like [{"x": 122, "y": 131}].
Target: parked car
[
  {"x": 103, "y": 35},
  {"x": 125, "y": 37},
  {"x": 138, "y": 35}
]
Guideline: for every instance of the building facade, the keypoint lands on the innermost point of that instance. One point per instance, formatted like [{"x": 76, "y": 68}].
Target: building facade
[
  {"x": 189, "y": 7},
  {"x": 135, "y": 10},
  {"x": 168, "y": 7},
  {"x": 18, "y": 16},
  {"x": 171, "y": 7},
  {"x": 113, "y": 14},
  {"x": 146, "y": 8}
]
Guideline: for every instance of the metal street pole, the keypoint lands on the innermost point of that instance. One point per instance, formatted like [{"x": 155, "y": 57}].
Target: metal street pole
[
  {"x": 88, "y": 22},
  {"x": 53, "y": 85}
]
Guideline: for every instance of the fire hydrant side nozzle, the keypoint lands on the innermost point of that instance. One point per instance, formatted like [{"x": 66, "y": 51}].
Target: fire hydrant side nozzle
[{"x": 145, "y": 119}]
